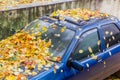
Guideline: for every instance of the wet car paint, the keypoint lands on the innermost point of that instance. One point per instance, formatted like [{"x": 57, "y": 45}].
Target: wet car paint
[{"x": 93, "y": 69}]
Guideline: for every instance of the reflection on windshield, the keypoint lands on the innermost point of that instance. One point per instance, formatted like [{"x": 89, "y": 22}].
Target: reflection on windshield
[{"x": 60, "y": 36}]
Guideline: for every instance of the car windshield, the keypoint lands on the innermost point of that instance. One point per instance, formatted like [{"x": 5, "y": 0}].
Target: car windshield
[
  {"x": 60, "y": 36},
  {"x": 33, "y": 49}
]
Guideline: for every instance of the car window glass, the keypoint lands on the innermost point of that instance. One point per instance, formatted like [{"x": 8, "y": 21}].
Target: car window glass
[
  {"x": 60, "y": 36},
  {"x": 88, "y": 45},
  {"x": 111, "y": 34}
]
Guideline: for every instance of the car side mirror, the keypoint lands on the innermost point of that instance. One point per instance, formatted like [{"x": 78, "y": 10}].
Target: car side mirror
[{"x": 75, "y": 64}]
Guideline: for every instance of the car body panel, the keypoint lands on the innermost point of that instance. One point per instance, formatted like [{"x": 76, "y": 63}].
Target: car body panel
[
  {"x": 107, "y": 63},
  {"x": 99, "y": 71},
  {"x": 50, "y": 74}
]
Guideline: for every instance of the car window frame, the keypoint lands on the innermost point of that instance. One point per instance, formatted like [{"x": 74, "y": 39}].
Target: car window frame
[
  {"x": 103, "y": 35},
  {"x": 60, "y": 25},
  {"x": 78, "y": 42}
]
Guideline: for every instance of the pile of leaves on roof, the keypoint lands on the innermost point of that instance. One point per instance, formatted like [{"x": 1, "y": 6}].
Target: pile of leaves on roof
[
  {"x": 80, "y": 14},
  {"x": 21, "y": 54}
]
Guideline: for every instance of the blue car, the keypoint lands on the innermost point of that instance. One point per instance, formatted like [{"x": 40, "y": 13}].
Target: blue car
[{"x": 89, "y": 50}]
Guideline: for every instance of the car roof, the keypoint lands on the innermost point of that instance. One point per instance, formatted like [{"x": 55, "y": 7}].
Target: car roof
[
  {"x": 81, "y": 17},
  {"x": 75, "y": 25}
]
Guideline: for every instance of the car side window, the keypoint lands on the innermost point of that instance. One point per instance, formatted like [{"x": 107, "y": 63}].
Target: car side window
[
  {"x": 89, "y": 44},
  {"x": 111, "y": 34}
]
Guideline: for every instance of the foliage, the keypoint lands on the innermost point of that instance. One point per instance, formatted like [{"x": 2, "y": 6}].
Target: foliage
[
  {"x": 26, "y": 50},
  {"x": 80, "y": 14},
  {"x": 18, "y": 2}
]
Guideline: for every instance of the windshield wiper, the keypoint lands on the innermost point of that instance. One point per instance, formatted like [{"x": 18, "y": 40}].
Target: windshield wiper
[
  {"x": 58, "y": 60},
  {"x": 54, "y": 61}
]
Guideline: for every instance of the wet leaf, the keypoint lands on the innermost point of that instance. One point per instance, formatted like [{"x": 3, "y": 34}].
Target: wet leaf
[
  {"x": 113, "y": 37},
  {"x": 106, "y": 32},
  {"x": 63, "y": 29},
  {"x": 98, "y": 42},
  {"x": 81, "y": 51},
  {"x": 90, "y": 49},
  {"x": 104, "y": 62},
  {"x": 87, "y": 65},
  {"x": 11, "y": 77},
  {"x": 23, "y": 49},
  {"x": 95, "y": 57},
  {"x": 107, "y": 45},
  {"x": 13, "y": 58},
  {"x": 79, "y": 14},
  {"x": 77, "y": 37}
]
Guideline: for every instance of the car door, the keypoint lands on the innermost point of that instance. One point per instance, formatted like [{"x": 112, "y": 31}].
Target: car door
[
  {"x": 88, "y": 54},
  {"x": 111, "y": 36}
]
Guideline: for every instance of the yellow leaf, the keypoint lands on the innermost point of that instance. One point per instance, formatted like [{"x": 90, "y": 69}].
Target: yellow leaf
[{"x": 11, "y": 77}]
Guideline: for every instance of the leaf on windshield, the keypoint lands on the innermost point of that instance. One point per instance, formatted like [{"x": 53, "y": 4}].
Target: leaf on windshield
[
  {"x": 63, "y": 29},
  {"x": 44, "y": 29},
  {"x": 45, "y": 20},
  {"x": 22, "y": 49},
  {"x": 48, "y": 44},
  {"x": 57, "y": 35},
  {"x": 34, "y": 73},
  {"x": 58, "y": 59},
  {"x": 54, "y": 26},
  {"x": 37, "y": 26},
  {"x": 21, "y": 76},
  {"x": 52, "y": 45},
  {"x": 11, "y": 77}
]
